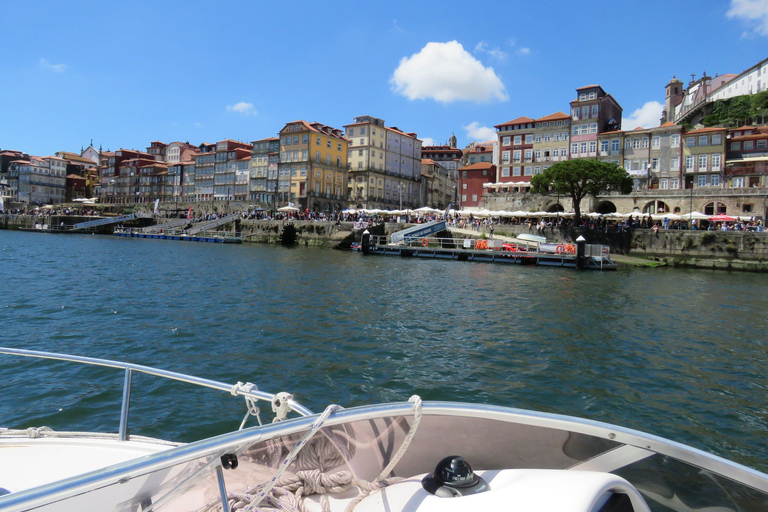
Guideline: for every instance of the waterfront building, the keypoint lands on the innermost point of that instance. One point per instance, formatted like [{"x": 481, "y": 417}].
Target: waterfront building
[
  {"x": 157, "y": 150},
  {"x": 703, "y": 156},
  {"x": 263, "y": 170},
  {"x": 154, "y": 183},
  {"x": 611, "y": 147},
  {"x": 384, "y": 165},
  {"x": 177, "y": 152},
  {"x": 637, "y": 156},
  {"x": 204, "y": 166},
  {"x": 75, "y": 188},
  {"x": 438, "y": 186},
  {"x": 312, "y": 169},
  {"x": 666, "y": 156},
  {"x": 127, "y": 182},
  {"x": 480, "y": 152},
  {"x": 40, "y": 179},
  {"x": 85, "y": 167},
  {"x": 746, "y": 164},
  {"x": 447, "y": 156},
  {"x": 472, "y": 180},
  {"x": 592, "y": 112},
  {"x": 516, "y": 150},
  {"x": 230, "y": 173},
  {"x": 112, "y": 188},
  {"x": 550, "y": 141},
  {"x": 9, "y": 182}
]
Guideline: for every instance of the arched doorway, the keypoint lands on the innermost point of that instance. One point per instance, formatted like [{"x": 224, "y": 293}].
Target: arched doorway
[
  {"x": 557, "y": 207},
  {"x": 656, "y": 207},
  {"x": 715, "y": 208},
  {"x": 605, "y": 207}
]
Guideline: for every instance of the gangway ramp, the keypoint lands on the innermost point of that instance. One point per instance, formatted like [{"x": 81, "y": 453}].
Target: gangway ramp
[
  {"x": 103, "y": 222},
  {"x": 173, "y": 224},
  {"x": 418, "y": 231},
  {"x": 212, "y": 224}
]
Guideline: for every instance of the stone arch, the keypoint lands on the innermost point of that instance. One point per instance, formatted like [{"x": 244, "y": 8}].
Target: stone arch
[
  {"x": 556, "y": 207},
  {"x": 656, "y": 207},
  {"x": 715, "y": 208},
  {"x": 605, "y": 207}
]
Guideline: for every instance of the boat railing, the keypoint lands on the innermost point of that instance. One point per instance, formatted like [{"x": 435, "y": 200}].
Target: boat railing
[{"x": 239, "y": 389}]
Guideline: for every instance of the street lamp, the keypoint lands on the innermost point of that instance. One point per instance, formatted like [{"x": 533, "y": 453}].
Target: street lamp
[{"x": 400, "y": 186}]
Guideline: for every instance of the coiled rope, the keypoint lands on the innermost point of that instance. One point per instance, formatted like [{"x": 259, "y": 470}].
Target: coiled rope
[{"x": 287, "y": 493}]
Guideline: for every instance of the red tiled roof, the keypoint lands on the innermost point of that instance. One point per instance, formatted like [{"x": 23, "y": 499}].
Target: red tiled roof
[
  {"x": 519, "y": 120},
  {"x": 478, "y": 166},
  {"x": 553, "y": 117},
  {"x": 427, "y": 161},
  {"x": 668, "y": 123},
  {"x": 707, "y": 130}
]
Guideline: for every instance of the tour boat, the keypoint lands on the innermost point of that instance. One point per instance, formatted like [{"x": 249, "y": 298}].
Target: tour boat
[{"x": 405, "y": 456}]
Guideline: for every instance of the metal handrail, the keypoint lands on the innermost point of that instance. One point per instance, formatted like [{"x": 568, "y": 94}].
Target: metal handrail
[{"x": 130, "y": 368}]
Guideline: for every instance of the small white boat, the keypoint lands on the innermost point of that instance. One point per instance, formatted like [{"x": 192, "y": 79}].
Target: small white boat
[{"x": 409, "y": 456}]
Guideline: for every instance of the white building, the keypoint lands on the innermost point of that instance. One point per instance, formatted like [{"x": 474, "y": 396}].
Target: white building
[{"x": 40, "y": 179}]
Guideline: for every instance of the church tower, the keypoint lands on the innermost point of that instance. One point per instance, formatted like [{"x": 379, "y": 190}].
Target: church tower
[
  {"x": 452, "y": 141},
  {"x": 673, "y": 97}
]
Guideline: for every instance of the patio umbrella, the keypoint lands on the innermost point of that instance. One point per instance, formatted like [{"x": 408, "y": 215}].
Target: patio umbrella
[
  {"x": 722, "y": 218},
  {"x": 288, "y": 209}
]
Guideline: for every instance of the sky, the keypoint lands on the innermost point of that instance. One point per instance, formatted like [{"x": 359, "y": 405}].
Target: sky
[{"x": 124, "y": 74}]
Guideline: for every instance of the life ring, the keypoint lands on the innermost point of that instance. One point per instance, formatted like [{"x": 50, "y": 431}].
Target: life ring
[
  {"x": 425, "y": 242},
  {"x": 560, "y": 249}
]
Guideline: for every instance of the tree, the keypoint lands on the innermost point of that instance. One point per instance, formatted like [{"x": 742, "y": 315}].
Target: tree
[{"x": 579, "y": 178}]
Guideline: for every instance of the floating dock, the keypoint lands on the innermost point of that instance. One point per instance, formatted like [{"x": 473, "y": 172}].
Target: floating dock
[{"x": 595, "y": 257}]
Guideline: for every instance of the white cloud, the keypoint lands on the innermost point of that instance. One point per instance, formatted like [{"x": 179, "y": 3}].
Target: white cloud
[
  {"x": 496, "y": 52},
  {"x": 56, "y": 68},
  {"x": 646, "y": 116},
  {"x": 198, "y": 125},
  {"x": 242, "y": 108},
  {"x": 523, "y": 51},
  {"x": 396, "y": 27},
  {"x": 479, "y": 133},
  {"x": 446, "y": 72},
  {"x": 427, "y": 141},
  {"x": 754, "y": 12}
]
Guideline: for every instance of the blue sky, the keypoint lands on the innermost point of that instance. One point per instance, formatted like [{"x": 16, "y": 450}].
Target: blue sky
[{"x": 127, "y": 73}]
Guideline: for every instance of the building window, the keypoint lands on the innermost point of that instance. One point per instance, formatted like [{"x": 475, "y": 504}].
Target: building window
[
  {"x": 463, "y": 198},
  {"x": 717, "y": 139},
  {"x": 749, "y": 145},
  {"x": 628, "y": 144},
  {"x": 505, "y": 141},
  {"x": 716, "y": 180},
  {"x": 702, "y": 180},
  {"x": 664, "y": 184},
  {"x": 528, "y": 170},
  {"x": 537, "y": 138},
  {"x": 529, "y": 138},
  {"x": 505, "y": 172},
  {"x": 505, "y": 157},
  {"x": 593, "y": 146},
  {"x": 762, "y": 144},
  {"x": 645, "y": 142},
  {"x": 674, "y": 163},
  {"x": 583, "y": 148},
  {"x": 703, "y": 140},
  {"x": 351, "y": 132},
  {"x": 593, "y": 128},
  {"x": 689, "y": 163},
  {"x": 675, "y": 141},
  {"x": 716, "y": 162},
  {"x": 735, "y": 146},
  {"x": 674, "y": 183},
  {"x": 575, "y": 129},
  {"x": 516, "y": 171},
  {"x": 702, "y": 162},
  {"x": 595, "y": 109},
  {"x": 574, "y": 148},
  {"x": 463, "y": 186},
  {"x": 518, "y": 140},
  {"x": 575, "y": 114},
  {"x": 690, "y": 141}
]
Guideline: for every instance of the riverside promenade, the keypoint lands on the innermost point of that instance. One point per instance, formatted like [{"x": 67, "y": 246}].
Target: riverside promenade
[{"x": 732, "y": 250}]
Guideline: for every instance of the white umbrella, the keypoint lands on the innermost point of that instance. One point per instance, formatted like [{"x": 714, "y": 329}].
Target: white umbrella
[
  {"x": 695, "y": 215},
  {"x": 288, "y": 209}
]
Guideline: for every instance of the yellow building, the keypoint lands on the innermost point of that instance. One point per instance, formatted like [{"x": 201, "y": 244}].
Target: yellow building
[{"x": 312, "y": 170}]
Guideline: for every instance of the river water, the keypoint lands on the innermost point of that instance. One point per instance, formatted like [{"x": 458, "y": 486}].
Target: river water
[{"x": 677, "y": 353}]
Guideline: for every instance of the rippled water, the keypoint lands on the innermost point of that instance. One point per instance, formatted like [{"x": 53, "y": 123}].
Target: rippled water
[{"x": 678, "y": 353}]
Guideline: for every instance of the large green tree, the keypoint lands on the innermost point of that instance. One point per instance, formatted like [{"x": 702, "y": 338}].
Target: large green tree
[{"x": 580, "y": 178}]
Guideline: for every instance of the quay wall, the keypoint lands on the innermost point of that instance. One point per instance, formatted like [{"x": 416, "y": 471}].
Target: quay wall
[{"x": 699, "y": 249}]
